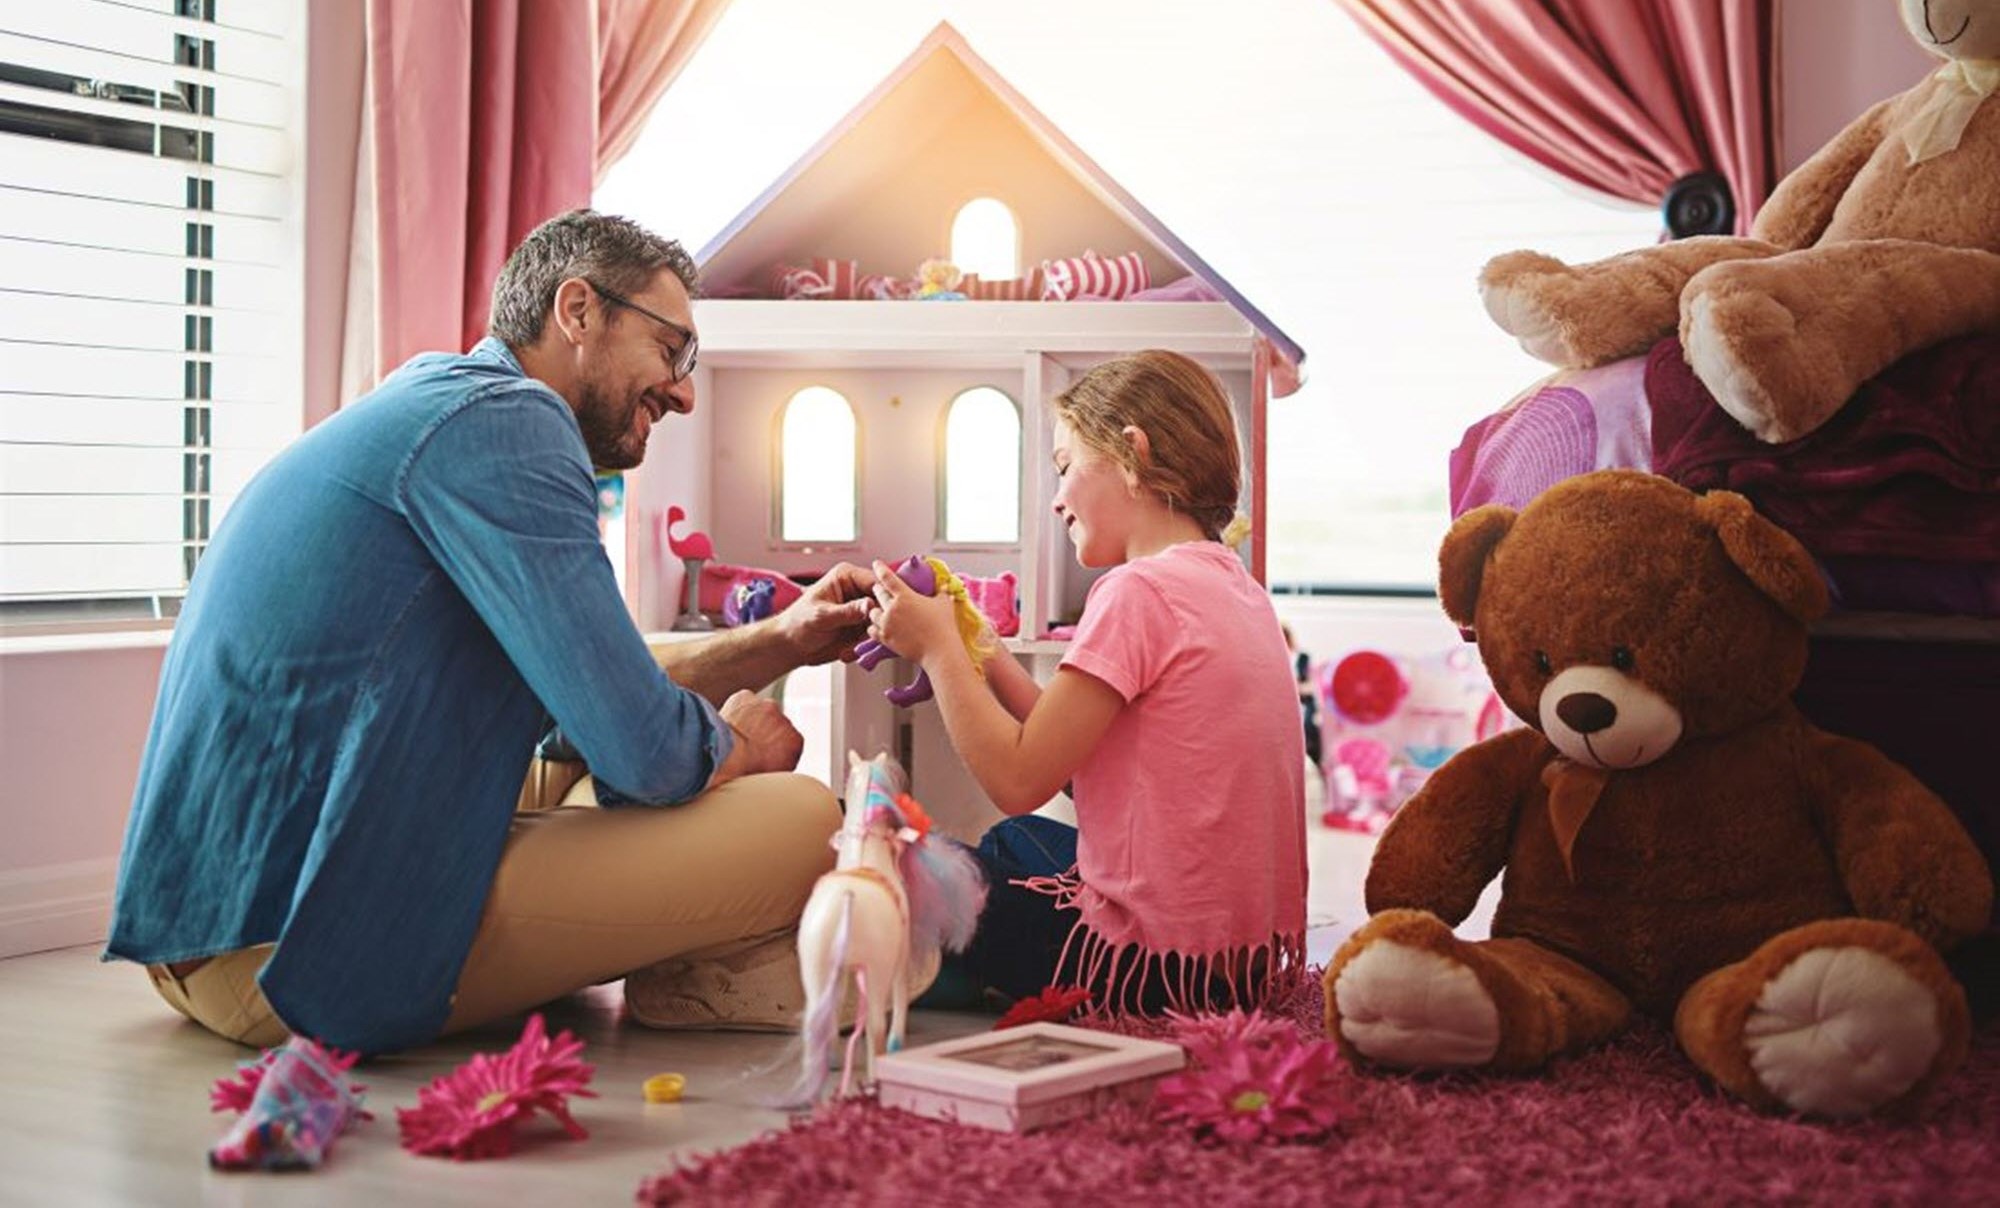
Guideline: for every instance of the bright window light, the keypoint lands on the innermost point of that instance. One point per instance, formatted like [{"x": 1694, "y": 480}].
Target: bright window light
[
  {"x": 982, "y": 469},
  {"x": 818, "y": 467},
  {"x": 986, "y": 240}
]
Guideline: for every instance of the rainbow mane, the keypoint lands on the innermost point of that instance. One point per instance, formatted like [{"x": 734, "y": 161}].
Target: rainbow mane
[{"x": 947, "y": 890}]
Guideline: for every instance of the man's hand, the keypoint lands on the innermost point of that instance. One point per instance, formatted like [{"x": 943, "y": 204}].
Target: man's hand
[
  {"x": 766, "y": 740},
  {"x": 832, "y": 615}
]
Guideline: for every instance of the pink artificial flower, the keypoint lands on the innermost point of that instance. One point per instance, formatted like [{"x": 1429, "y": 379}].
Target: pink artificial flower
[
  {"x": 471, "y": 1112},
  {"x": 1251, "y": 1078},
  {"x": 1053, "y": 1005},
  {"x": 1205, "y": 1036}
]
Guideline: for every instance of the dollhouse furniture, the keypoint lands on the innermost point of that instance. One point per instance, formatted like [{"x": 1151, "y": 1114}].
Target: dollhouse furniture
[{"x": 943, "y": 140}]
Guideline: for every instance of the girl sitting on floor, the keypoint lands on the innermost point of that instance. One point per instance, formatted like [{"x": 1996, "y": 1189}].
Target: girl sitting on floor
[{"x": 1172, "y": 718}]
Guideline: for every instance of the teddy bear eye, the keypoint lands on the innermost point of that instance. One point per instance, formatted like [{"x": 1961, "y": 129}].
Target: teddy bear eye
[
  {"x": 1542, "y": 663},
  {"x": 1621, "y": 658}
]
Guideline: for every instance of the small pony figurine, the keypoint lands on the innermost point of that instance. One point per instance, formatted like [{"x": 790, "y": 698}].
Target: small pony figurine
[
  {"x": 897, "y": 895},
  {"x": 748, "y": 601},
  {"x": 928, "y": 577}
]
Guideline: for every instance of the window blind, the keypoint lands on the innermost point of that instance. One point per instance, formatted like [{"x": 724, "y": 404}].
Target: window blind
[{"x": 149, "y": 288}]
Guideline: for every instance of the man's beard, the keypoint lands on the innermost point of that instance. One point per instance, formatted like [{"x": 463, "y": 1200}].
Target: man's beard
[{"x": 607, "y": 430}]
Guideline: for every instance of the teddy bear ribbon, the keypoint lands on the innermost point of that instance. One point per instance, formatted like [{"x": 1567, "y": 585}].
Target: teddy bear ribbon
[
  {"x": 1573, "y": 793},
  {"x": 1959, "y": 88}
]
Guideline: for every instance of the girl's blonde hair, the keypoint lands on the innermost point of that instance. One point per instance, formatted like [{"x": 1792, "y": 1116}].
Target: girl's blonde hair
[{"x": 1196, "y": 466}]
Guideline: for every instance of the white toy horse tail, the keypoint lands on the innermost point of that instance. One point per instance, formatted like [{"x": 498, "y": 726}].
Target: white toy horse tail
[{"x": 823, "y": 986}]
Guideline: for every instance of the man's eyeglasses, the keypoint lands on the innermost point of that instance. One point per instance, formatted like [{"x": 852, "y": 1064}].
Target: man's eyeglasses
[{"x": 680, "y": 360}]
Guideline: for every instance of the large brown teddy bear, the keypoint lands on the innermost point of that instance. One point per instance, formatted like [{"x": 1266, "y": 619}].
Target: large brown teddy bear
[
  {"x": 1677, "y": 839},
  {"x": 1884, "y": 242}
]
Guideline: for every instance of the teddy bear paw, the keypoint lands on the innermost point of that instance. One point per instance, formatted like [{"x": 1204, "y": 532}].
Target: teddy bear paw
[
  {"x": 1726, "y": 340},
  {"x": 1842, "y": 1031},
  {"x": 1519, "y": 290},
  {"x": 1414, "y": 1008}
]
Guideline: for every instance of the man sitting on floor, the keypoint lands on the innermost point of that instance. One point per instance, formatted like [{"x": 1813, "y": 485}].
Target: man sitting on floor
[{"x": 324, "y": 837}]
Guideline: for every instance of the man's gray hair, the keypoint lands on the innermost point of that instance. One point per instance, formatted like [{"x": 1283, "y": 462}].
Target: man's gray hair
[{"x": 613, "y": 252}]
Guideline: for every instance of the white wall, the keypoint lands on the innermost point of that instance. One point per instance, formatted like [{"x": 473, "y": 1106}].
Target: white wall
[
  {"x": 1836, "y": 58},
  {"x": 72, "y": 722}
]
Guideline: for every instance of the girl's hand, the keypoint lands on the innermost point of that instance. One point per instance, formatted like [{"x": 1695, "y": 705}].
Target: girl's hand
[{"x": 915, "y": 626}]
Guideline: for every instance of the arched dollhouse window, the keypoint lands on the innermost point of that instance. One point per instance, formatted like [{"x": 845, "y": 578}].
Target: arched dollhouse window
[
  {"x": 817, "y": 468},
  {"x": 986, "y": 240},
  {"x": 982, "y": 469}
]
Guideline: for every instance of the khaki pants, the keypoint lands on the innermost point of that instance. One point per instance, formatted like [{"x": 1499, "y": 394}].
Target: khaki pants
[{"x": 585, "y": 895}]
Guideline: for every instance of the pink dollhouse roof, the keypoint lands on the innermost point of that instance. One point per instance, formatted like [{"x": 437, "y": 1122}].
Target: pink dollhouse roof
[{"x": 765, "y": 230}]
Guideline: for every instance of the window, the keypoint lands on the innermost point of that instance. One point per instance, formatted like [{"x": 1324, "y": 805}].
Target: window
[
  {"x": 1402, "y": 358},
  {"x": 982, "y": 469},
  {"x": 986, "y": 240},
  {"x": 817, "y": 468},
  {"x": 149, "y": 289}
]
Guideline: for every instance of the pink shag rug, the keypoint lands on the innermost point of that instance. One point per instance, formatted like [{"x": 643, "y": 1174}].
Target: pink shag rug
[{"x": 1631, "y": 1123}]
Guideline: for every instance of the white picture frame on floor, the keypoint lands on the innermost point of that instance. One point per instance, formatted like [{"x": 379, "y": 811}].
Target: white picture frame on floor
[{"x": 1024, "y": 1078}]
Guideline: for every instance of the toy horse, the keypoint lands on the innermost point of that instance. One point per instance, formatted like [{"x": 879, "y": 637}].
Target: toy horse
[
  {"x": 897, "y": 897},
  {"x": 928, "y": 577}
]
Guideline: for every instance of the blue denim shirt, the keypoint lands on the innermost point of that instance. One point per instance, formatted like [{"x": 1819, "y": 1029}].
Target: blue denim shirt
[{"x": 380, "y": 631}]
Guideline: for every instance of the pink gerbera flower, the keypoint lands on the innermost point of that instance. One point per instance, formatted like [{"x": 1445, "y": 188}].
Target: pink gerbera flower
[
  {"x": 1251, "y": 1078},
  {"x": 471, "y": 1112},
  {"x": 1206, "y": 1036}
]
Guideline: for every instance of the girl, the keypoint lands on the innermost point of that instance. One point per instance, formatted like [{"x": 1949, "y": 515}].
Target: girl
[{"x": 1172, "y": 718}]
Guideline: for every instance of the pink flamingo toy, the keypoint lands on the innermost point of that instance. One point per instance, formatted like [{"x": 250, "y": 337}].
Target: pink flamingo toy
[{"x": 695, "y": 545}]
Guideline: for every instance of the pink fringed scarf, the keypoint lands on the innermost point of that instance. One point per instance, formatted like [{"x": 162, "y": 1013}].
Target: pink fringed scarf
[{"x": 1128, "y": 976}]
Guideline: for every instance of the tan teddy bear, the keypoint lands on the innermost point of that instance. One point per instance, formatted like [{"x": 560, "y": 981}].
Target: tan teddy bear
[
  {"x": 1884, "y": 242},
  {"x": 1676, "y": 838}
]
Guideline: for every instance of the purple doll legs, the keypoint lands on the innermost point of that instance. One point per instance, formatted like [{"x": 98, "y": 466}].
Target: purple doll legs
[{"x": 916, "y": 572}]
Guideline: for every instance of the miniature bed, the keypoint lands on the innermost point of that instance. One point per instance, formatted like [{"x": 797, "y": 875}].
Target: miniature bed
[{"x": 1897, "y": 497}]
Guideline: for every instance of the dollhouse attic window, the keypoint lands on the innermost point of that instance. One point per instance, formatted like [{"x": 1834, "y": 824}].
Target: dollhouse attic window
[
  {"x": 985, "y": 239},
  {"x": 982, "y": 469},
  {"x": 817, "y": 468}
]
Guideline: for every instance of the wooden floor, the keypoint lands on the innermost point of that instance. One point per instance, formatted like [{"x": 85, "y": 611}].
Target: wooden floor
[
  {"x": 104, "y": 1091},
  {"x": 104, "y": 1101}
]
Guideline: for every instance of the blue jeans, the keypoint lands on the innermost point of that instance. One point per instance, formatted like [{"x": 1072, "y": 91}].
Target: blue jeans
[
  {"x": 1019, "y": 942},
  {"x": 1021, "y": 933}
]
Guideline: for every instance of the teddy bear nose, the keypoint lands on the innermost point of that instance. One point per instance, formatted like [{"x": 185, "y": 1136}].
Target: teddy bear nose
[{"x": 1586, "y": 712}]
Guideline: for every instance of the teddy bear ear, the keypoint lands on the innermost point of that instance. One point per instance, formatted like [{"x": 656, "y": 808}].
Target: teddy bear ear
[
  {"x": 1771, "y": 558},
  {"x": 1462, "y": 558}
]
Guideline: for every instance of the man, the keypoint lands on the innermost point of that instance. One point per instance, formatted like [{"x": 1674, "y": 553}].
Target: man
[{"x": 323, "y": 837}]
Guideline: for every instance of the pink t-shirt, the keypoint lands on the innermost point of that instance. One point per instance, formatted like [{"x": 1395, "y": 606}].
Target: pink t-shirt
[{"x": 1191, "y": 810}]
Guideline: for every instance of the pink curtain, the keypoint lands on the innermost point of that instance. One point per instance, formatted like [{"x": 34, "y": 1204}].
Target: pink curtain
[
  {"x": 486, "y": 118},
  {"x": 641, "y": 46},
  {"x": 1625, "y": 96}
]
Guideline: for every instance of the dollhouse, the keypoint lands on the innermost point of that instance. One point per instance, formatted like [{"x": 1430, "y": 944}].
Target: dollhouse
[{"x": 854, "y": 419}]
